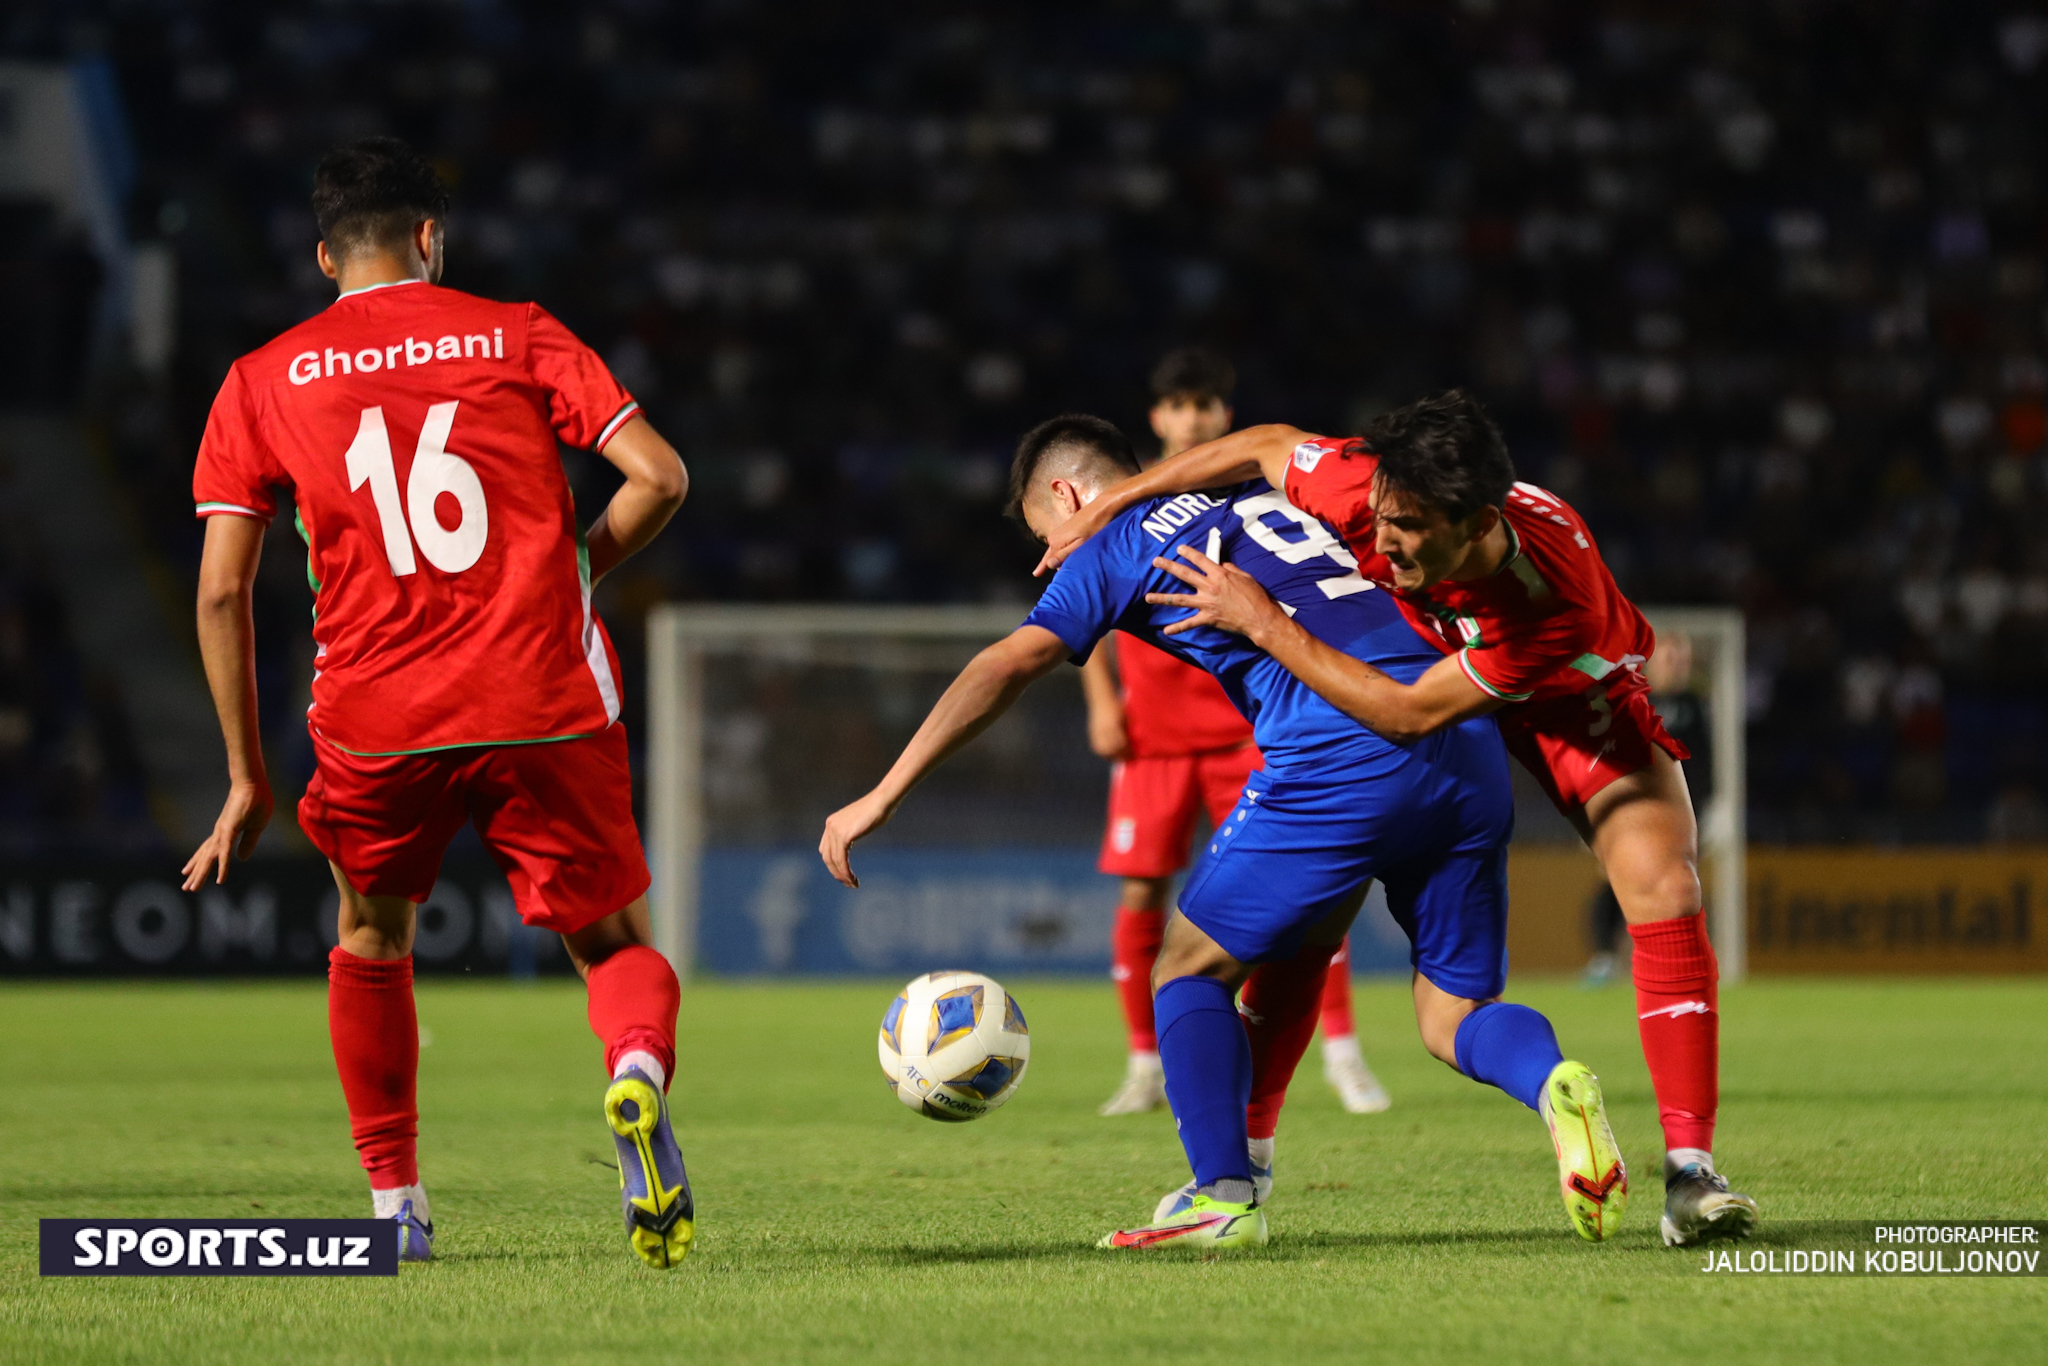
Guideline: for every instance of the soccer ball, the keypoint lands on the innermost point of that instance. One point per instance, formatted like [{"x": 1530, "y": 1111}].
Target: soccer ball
[{"x": 954, "y": 1045}]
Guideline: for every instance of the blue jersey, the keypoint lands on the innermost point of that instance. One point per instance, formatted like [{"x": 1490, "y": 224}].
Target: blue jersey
[{"x": 1307, "y": 570}]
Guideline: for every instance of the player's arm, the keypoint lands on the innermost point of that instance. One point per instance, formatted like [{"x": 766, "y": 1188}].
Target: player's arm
[
  {"x": 992, "y": 680},
  {"x": 656, "y": 484},
  {"x": 1255, "y": 452},
  {"x": 227, "y": 644},
  {"x": 1106, "y": 733},
  {"x": 1229, "y": 599}
]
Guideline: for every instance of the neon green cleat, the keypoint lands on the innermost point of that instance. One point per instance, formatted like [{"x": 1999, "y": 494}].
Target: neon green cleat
[
  {"x": 654, "y": 1190},
  {"x": 1590, "y": 1171},
  {"x": 1205, "y": 1223}
]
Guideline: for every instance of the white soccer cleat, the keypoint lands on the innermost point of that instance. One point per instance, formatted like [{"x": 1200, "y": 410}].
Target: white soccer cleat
[
  {"x": 1144, "y": 1088},
  {"x": 1698, "y": 1206},
  {"x": 1345, "y": 1069}
]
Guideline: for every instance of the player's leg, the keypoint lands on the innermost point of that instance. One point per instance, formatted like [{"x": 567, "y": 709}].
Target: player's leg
[
  {"x": 383, "y": 824},
  {"x": 1454, "y": 910},
  {"x": 1208, "y": 1080},
  {"x": 1641, "y": 828},
  {"x": 558, "y": 818},
  {"x": 1152, "y": 805},
  {"x": 1344, "y": 1065},
  {"x": 1603, "y": 928},
  {"x": 373, "y": 1025}
]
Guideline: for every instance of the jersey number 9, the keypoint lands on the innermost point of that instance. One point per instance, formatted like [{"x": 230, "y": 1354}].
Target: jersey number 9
[{"x": 434, "y": 472}]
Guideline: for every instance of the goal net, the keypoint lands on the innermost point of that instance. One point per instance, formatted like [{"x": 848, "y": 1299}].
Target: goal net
[{"x": 765, "y": 720}]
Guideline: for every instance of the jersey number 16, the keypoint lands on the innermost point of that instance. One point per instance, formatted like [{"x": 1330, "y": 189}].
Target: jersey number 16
[{"x": 434, "y": 472}]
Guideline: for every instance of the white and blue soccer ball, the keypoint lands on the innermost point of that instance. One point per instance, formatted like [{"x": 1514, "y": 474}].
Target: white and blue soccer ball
[{"x": 954, "y": 1045}]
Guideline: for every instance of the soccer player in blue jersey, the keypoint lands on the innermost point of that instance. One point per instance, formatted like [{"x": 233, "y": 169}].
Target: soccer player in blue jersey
[{"x": 1335, "y": 807}]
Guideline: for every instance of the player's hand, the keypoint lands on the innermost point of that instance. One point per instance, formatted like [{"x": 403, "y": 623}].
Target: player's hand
[
  {"x": 1224, "y": 596},
  {"x": 1068, "y": 535},
  {"x": 242, "y": 818},
  {"x": 1107, "y": 735},
  {"x": 846, "y": 825}
]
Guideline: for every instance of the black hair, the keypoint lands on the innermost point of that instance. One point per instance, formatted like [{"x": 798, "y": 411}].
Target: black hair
[
  {"x": 1078, "y": 432},
  {"x": 372, "y": 193},
  {"x": 1443, "y": 451},
  {"x": 1193, "y": 370}
]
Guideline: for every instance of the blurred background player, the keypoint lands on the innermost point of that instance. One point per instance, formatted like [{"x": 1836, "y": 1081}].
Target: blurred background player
[
  {"x": 1180, "y": 749},
  {"x": 1684, "y": 713},
  {"x": 463, "y": 674}
]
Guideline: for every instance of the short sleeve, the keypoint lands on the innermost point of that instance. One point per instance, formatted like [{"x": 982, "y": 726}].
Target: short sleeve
[
  {"x": 1330, "y": 478},
  {"x": 236, "y": 474},
  {"x": 1526, "y": 652},
  {"x": 586, "y": 405},
  {"x": 1091, "y": 591}
]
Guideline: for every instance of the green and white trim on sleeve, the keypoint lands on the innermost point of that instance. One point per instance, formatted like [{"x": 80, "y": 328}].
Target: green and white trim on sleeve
[
  {"x": 231, "y": 509},
  {"x": 618, "y": 420},
  {"x": 1465, "y": 663}
]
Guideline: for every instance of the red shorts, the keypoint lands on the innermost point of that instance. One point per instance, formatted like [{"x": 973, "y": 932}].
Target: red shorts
[
  {"x": 1152, "y": 806},
  {"x": 1577, "y": 745},
  {"x": 557, "y": 817}
]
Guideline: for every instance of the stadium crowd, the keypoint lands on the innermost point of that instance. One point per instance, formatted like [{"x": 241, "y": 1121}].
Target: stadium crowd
[{"x": 1758, "y": 286}]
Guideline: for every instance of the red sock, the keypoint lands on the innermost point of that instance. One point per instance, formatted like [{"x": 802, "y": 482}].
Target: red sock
[
  {"x": 1678, "y": 1012},
  {"x": 1337, "y": 995},
  {"x": 376, "y": 1035},
  {"x": 1134, "y": 946},
  {"x": 1279, "y": 1010},
  {"x": 634, "y": 997}
]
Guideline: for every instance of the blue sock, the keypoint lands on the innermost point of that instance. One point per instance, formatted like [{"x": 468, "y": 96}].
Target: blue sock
[
  {"x": 1509, "y": 1046},
  {"x": 1208, "y": 1063}
]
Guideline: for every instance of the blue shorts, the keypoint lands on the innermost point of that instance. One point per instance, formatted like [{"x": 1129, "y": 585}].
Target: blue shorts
[{"x": 1434, "y": 830}]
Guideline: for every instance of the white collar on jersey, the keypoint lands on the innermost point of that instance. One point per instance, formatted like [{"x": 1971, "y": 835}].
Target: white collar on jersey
[{"x": 381, "y": 284}]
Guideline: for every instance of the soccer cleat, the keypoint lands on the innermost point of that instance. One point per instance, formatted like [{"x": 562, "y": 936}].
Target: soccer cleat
[
  {"x": 1590, "y": 1171},
  {"x": 1144, "y": 1090},
  {"x": 1177, "y": 1202},
  {"x": 1356, "y": 1087},
  {"x": 1205, "y": 1223},
  {"x": 415, "y": 1235},
  {"x": 653, "y": 1187},
  {"x": 1698, "y": 1206}
]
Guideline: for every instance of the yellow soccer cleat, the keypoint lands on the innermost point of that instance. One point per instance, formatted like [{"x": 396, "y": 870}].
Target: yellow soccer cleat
[
  {"x": 1209, "y": 1224},
  {"x": 654, "y": 1189},
  {"x": 1590, "y": 1171}
]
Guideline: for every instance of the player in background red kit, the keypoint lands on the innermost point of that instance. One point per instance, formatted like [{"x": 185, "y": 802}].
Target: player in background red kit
[
  {"x": 1506, "y": 579},
  {"x": 461, "y": 674},
  {"x": 1180, "y": 748}
]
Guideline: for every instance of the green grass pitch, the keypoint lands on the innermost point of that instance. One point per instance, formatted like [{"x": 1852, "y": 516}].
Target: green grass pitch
[{"x": 835, "y": 1225}]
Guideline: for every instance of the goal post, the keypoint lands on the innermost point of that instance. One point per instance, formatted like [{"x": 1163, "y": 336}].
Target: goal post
[
  {"x": 764, "y": 719},
  {"x": 680, "y": 638},
  {"x": 1720, "y": 664}
]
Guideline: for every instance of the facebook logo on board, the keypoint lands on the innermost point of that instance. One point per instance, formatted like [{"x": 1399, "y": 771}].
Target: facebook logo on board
[{"x": 776, "y": 911}]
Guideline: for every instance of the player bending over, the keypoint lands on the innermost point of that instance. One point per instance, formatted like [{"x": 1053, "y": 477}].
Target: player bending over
[
  {"x": 1334, "y": 807},
  {"x": 462, "y": 675},
  {"x": 1179, "y": 747},
  {"x": 1506, "y": 579}
]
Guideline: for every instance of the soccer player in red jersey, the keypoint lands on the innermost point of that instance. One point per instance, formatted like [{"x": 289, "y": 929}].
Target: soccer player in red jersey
[
  {"x": 1506, "y": 579},
  {"x": 461, "y": 674},
  {"x": 1180, "y": 747}
]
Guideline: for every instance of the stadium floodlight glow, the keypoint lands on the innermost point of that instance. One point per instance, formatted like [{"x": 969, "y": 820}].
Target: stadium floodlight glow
[{"x": 688, "y": 644}]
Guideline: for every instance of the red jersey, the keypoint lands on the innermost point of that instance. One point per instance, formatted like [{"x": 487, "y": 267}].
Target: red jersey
[
  {"x": 1550, "y": 622},
  {"x": 1171, "y": 707},
  {"x": 416, "y": 428}
]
